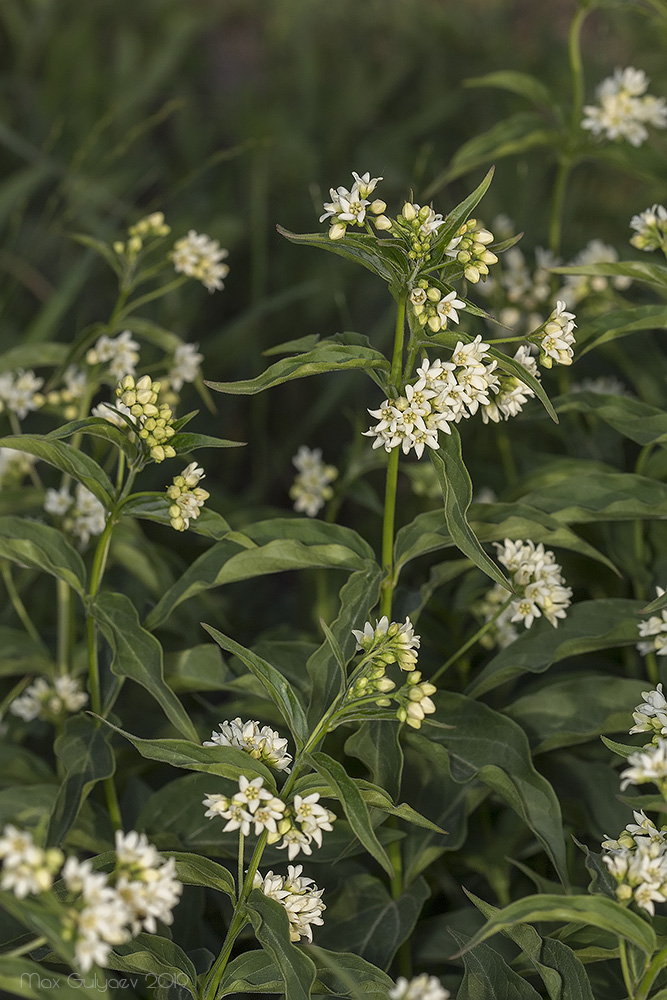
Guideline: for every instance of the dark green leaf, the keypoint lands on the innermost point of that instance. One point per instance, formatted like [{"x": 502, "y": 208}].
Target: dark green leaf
[
  {"x": 185, "y": 443},
  {"x": 491, "y": 748},
  {"x": 382, "y": 257},
  {"x": 271, "y": 927},
  {"x": 599, "y": 911},
  {"x": 457, "y": 493},
  {"x": 633, "y": 419},
  {"x": 100, "y": 428},
  {"x": 66, "y": 458},
  {"x": 345, "y": 975},
  {"x": 377, "y": 745},
  {"x": 358, "y": 595},
  {"x": 193, "y": 869},
  {"x": 138, "y": 655},
  {"x": 86, "y": 758},
  {"x": 33, "y": 356},
  {"x": 589, "y": 625},
  {"x": 522, "y": 84},
  {"x": 43, "y": 548},
  {"x": 264, "y": 548},
  {"x": 326, "y": 357},
  {"x": 155, "y": 507},
  {"x": 156, "y": 956},
  {"x": 226, "y": 762},
  {"x": 487, "y": 974},
  {"x": 252, "y": 972},
  {"x": 638, "y": 270},
  {"x": 606, "y": 496},
  {"x": 619, "y": 323},
  {"x": 353, "y": 804},
  {"x": 201, "y": 668},
  {"x": 461, "y": 212},
  {"x": 278, "y": 689}
]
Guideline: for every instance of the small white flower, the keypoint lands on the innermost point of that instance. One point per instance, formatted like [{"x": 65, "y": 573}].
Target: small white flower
[
  {"x": 624, "y": 109},
  {"x": 558, "y": 337},
  {"x": 423, "y": 987},
  {"x": 654, "y": 631},
  {"x": 648, "y": 765},
  {"x": 121, "y": 353},
  {"x": 262, "y": 743},
  {"x": 185, "y": 365},
  {"x": 19, "y": 392},
  {"x": 311, "y": 487},
  {"x": 650, "y": 228},
  {"x": 199, "y": 257}
]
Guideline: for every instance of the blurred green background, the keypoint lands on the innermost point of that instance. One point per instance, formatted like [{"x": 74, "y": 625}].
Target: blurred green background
[{"x": 234, "y": 115}]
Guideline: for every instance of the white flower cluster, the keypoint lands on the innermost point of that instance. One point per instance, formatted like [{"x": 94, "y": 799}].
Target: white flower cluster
[
  {"x": 650, "y": 229},
  {"x": 199, "y": 257},
  {"x": 422, "y": 987},
  {"x": 447, "y": 392},
  {"x": 624, "y": 109},
  {"x": 83, "y": 514},
  {"x": 49, "y": 700},
  {"x": 100, "y": 910},
  {"x": 185, "y": 365},
  {"x": 558, "y": 337},
  {"x": 519, "y": 294},
  {"x": 651, "y": 715},
  {"x": 262, "y": 743},
  {"x": 607, "y": 385},
  {"x": 298, "y": 825},
  {"x": 539, "y": 585},
  {"x": 348, "y": 208},
  {"x": 186, "y": 496},
  {"x": 469, "y": 248},
  {"x": 27, "y": 870},
  {"x": 299, "y": 896},
  {"x": 647, "y": 766},
  {"x": 19, "y": 392},
  {"x": 384, "y": 644},
  {"x": 389, "y": 643},
  {"x": 641, "y": 872},
  {"x": 121, "y": 353},
  {"x": 14, "y": 466},
  {"x": 654, "y": 632},
  {"x": 151, "y": 227},
  {"x": 432, "y": 308},
  {"x": 311, "y": 487},
  {"x": 577, "y": 286}
]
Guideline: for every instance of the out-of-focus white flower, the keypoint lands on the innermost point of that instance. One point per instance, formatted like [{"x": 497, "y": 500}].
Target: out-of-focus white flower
[
  {"x": 647, "y": 765},
  {"x": 19, "y": 392},
  {"x": 121, "y": 353},
  {"x": 199, "y": 257},
  {"x": 83, "y": 514},
  {"x": 299, "y": 896},
  {"x": 185, "y": 365},
  {"x": 422, "y": 987},
  {"x": 14, "y": 466},
  {"x": 577, "y": 286},
  {"x": 49, "y": 700},
  {"x": 603, "y": 385},
  {"x": 654, "y": 632},
  {"x": 262, "y": 743},
  {"x": 145, "y": 882},
  {"x": 624, "y": 109},
  {"x": 650, "y": 229},
  {"x": 27, "y": 870},
  {"x": 311, "y": 487}
]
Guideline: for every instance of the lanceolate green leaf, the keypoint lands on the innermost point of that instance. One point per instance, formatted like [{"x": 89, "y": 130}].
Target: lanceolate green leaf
[
  {"x": 491, "y": 522},
  {"x": 574, "y": 709},
  {"x": 514, "y": 368},
  {"x": 100, "y": 428},
  {"x": 157, "y": 958},
  {"x": 185, "y": 443},
  {"x": 619, "y": 323},
  {"x": 62, "y": 456},
  {"x": 86, "y": 757},
  {"x": 226, "y": 762},
  {"x": 633, "y": 419},
  {"x": 353, "y": 804},
  {"x": 278, "y": 689},
  {"x": 252, "y": 972},
  {"x": 559, "y": 968},
  {"x": 32, "y": 356},
  {"x": 377, "y": 745},
  {"x": 264, "y": 548},
  {"x": 193, "y": 869},
  {"x": 523, "y": 84},
  {"x": 155, "y": 507},
  {"x": 588, "y": 626},
  {"x": 487, "y": 974},
  {"x": 358, "y": 595},
  {"x": 344, "y": 975},
  {"x": 638, "y": 270},
  {"x": 602, "y": 496},
  {"x": 491, "y": 748},
  {"x": 598, "y": 911},
  {"x": 325, "y": 357},
  {"x": 457, "y": 494},
  {"x": 461, "y": 212},
  {"x": 138, "y": 655},
  {"x": 382, "y": 257},
  {"x": 270, "y": 923},
  {"x": 43, "y": 548}
]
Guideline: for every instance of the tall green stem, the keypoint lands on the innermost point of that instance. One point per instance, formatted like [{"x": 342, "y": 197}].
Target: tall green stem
[
  {"x": 656, "y": 965},
  {"x": 18, "y": 605},
  {"x": 64, "y": 601},
  {"x": 389, "y": 517},
  {"x": 470, "y": 642}
]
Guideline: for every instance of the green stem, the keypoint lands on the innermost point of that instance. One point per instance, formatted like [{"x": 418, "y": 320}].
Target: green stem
[
  {"x": 625, "y": 968},
  {"x": 397, "y": 358},
  {"x": 388, "y": 522},
  {"x": 557, "y": 202},
  {"x": 470, "y": 642},
  {"x": 238, "y": 920},
  {"x": 18, "y": 605},
  {"x": 656, "y": 965},
  {"x": 64, "y": 600},
  {"x": 25, "y": 948},
  {"x": 576, "y": 68},
  {"x": 239, "y": 882},
  {"x": 144, "y": 299}
]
